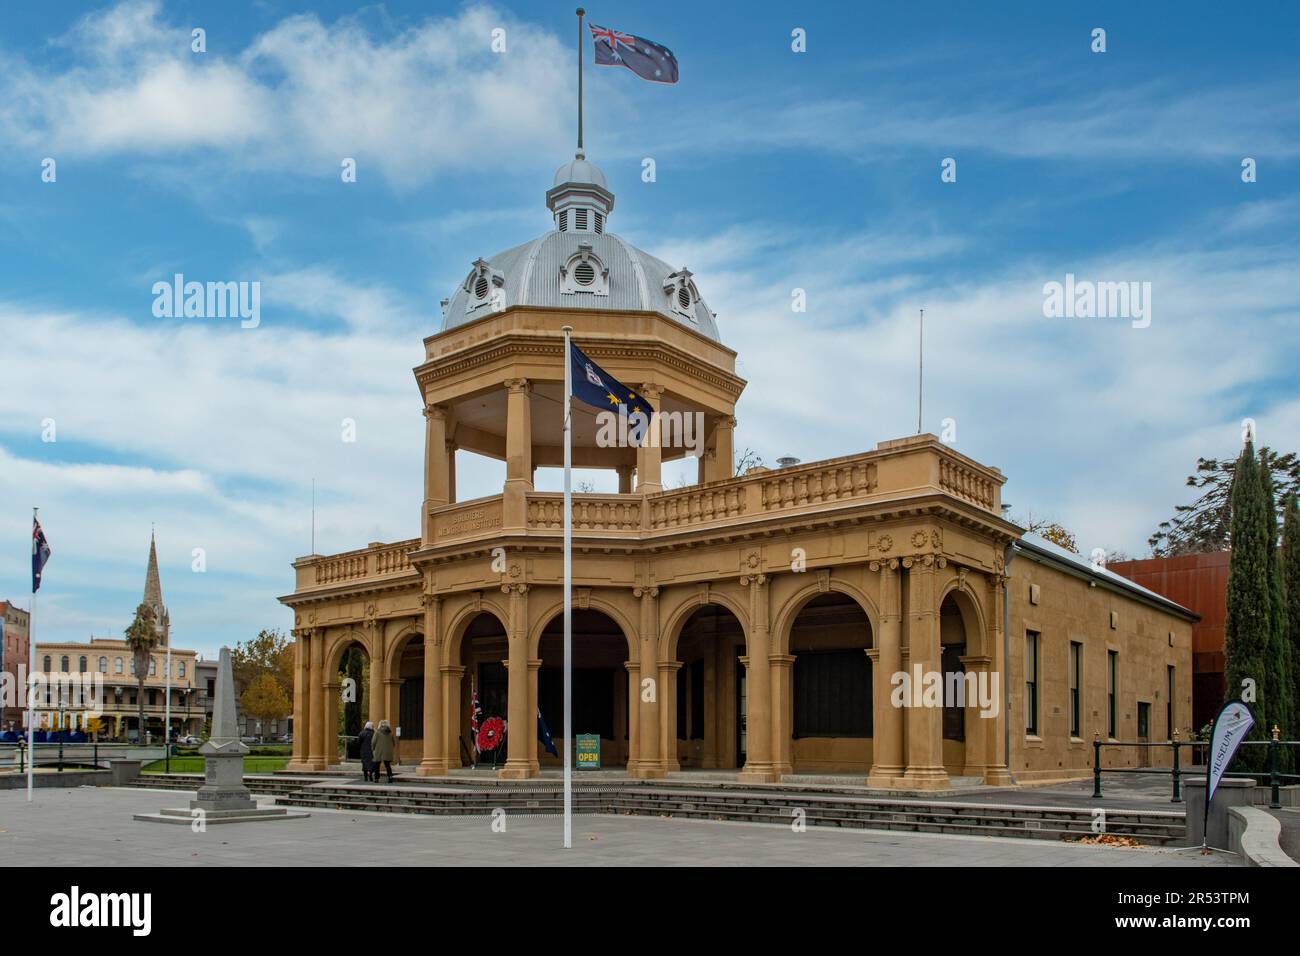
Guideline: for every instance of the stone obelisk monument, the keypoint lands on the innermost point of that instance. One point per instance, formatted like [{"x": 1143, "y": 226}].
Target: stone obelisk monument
[
  {"x": 223, "y": 754},
  {"x": 223, "y": 798}
]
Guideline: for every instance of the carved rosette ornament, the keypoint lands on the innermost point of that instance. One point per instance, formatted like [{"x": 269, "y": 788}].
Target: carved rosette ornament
[{"x": 885, "y": 543}]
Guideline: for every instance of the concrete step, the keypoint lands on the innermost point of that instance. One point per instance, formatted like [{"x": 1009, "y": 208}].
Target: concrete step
[
  {"x": 269, "y": 785},
  {"x": 1151, "y": 827}
]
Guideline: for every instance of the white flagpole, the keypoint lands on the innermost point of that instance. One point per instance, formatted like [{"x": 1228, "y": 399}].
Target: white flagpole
[
  {"x": 31, "y": 681},
  {"x": 568, "y": 593}
]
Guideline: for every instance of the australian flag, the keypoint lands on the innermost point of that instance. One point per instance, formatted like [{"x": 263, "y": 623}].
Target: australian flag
[
  {"x": 475, "y": 716},
  {"x": 645, "y": 58},
  {"x": 593, "y": 386},
  {"x": 544, "y": 735},
  {"x": 40, "y": 554}
]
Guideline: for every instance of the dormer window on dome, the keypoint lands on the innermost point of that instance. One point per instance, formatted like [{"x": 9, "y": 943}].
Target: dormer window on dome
[
  {"x": 584, "y": 272},
  {"x": 484, "y": 286},
  {"x": 682, "y": 295}
]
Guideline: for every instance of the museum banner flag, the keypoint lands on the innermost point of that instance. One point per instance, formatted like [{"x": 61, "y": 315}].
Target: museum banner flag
[
  {"x": 40, "y": 554},
  {"x": 1230, "y": 728},
  {"x": 647, "y": 59}
]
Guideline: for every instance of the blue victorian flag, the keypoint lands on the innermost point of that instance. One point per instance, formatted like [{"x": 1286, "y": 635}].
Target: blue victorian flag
[{"x": 647, "y": 59}]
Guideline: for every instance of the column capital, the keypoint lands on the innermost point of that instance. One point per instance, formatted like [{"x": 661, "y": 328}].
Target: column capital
[
  {"x": 646, "y": 592},
  {"x": 757, "y": 580},
  {"x": 518, "y": 384},
  {"x": 514, "y": 588},
  {"x": 436, "y": 413}
]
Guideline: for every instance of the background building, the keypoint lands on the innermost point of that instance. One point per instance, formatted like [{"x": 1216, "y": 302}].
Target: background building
[
  {"x": 248, "y": 726},
  {"x": 1198, "y": 582},
  {"x": 113, "y": 662},
  {"x": 14, "y": 649}
]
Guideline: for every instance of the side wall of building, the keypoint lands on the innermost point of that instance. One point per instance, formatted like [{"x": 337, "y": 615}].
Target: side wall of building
[{"x": 1064, "y": 609}]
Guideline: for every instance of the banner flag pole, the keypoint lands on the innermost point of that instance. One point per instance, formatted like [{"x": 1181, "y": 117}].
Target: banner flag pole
[
  {"x": 581, "y": 12},
  {"x": 31, "y": 678}
]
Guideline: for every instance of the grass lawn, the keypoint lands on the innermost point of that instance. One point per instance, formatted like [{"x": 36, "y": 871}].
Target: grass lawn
[{"x": 195, "y": 765}]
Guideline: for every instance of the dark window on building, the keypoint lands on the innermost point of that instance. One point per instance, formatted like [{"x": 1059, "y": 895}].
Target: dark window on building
[
  {"x": 954, "y": 709},
  {"x": 1112, "y": 685},
  {"x": 1170, "y": 726},
  {"x": 1031, "y": 682},
  {"x": 832, "y": 694},
  {"x": 1076, "y": 669},
  {"x": 410, "y": 709},
  {"x": 212, "y": 687},
  {"x": 1144, "y": 720}
]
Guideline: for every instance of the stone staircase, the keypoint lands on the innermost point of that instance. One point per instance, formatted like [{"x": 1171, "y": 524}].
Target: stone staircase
[
  {"x": 272, "y": 785},
  {"x": 772, "y": 805}
]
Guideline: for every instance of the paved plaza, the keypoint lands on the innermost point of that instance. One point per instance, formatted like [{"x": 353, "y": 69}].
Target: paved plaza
[{"x": 93, "y": 827}]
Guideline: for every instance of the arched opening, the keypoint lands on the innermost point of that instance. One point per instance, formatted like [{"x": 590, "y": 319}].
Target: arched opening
[
  {"x": 404, "y": 696},
  {"x": 600, "y": 687},
  {"x": 352, "y": 673},
  {"x": 967, "y": 692},
  {"x": 830, "y": 690},
  {"x": 707, "y": 705},
  {"x": 482, "y": 652}
]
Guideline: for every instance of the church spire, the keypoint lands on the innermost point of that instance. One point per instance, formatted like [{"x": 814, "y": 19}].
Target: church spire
[{"x": 153, "y": 587}]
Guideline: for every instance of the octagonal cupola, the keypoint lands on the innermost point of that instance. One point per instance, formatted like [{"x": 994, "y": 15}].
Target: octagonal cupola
[{"x": 580, "y": 201}]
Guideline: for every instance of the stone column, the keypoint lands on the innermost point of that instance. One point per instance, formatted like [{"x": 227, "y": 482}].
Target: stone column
[
  {"x": 437, "y": 478},
  {"x": 453, "y": 726},
  {"x": 319, "y": 705},
  {"x": 535, "y": 761},
  {"x": 330, "y": 692},
  {"x": 434, "y": 761},
  {"x": 451, "y": 473},
  {"x": 647, "y": 700},
  {"x": 518, "y": 759},
  {"x": 375, "y": 702},
  {"x": 759, "y": 765},
  {"x": 996, "y": 771},
  {"x": 886, "y": 661},
  {"x": 624, "y": 479},
  {"x": 301, "y": 718},
  {"x": 633, "y": 712},
  {"x": 667, "y": 691},
  {"x": 519, "y": 454},
  {"x": 649, "y": 457},
  {"x": 925, "y": 768},
  {"x": 783, "y": 712},
  {"x": 720, "y": 462}
]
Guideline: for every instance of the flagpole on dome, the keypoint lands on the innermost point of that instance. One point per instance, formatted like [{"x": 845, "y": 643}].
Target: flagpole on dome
[
  {"x": 581, "y": 14},
  {"x": 568, "y": 590}
]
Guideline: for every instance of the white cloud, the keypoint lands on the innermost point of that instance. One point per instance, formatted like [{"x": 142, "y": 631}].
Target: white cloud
[{"x": 302, "y": 96}]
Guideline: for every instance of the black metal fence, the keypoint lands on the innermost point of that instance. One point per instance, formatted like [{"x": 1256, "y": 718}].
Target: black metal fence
[{"x": 1271, "y": 777}]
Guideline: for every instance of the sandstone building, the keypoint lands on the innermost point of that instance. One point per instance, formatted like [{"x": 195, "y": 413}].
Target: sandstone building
[{"x": 752, "y": 622}]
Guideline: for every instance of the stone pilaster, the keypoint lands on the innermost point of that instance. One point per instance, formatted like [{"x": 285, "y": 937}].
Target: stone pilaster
[
  {"x": 759, "y": 764},
  {"x": 519, "y": 760},
  {"x": 996, "y": 771},
  {"x": 434, "y": 760},
  {"x": 317, "y": 756},
  {"x": 925, "y": 770},
  {"x": 887, "y": 720},
  {"x": 650, "y": 759}
]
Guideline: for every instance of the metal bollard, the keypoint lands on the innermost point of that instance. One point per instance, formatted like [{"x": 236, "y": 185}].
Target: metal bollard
[
  {"x": 1178, "y": 793},
  {"x": 60, "y": 756},
  {"x": 1096, "y": 766},
  {"x": 1275, "y": 782}
]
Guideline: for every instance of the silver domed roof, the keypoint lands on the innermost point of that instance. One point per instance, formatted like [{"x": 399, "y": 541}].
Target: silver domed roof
[{"x": 577, "y": 265}]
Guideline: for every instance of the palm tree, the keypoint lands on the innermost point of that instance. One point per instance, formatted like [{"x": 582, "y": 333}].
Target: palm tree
[{"x": 142, "y": 638}]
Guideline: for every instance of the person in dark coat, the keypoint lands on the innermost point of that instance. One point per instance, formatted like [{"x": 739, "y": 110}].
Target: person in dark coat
[
  {"x": 384, "y": 746},
  {"x": 367, "y": 752}
]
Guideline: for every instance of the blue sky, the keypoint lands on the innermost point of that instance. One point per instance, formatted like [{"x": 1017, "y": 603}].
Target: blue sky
[{"x": 776, "y": 170}]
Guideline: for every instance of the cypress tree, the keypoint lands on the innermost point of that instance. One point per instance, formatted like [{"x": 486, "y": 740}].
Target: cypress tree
[
  {"x": 1291, "y": 590},
  {"x": 1246, "y": 629},
  {"x": 1279, "y": 685}
]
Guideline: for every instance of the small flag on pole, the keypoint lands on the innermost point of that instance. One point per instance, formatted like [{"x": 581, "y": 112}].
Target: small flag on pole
[
  {"x": 593, "y": 386},
  {"x": 476, "y": 715},
  {"x": 40, "y": 554},
  {"x": 544, "y": 735},
  {"x": 647, "y": 59}
]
